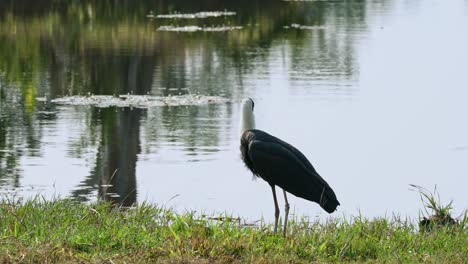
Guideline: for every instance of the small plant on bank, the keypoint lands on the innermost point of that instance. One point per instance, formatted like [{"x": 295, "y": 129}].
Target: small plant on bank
[{"x": 441, "y": 215}]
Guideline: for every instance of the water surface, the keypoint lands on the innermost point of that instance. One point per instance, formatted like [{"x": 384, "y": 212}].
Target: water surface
[{"x": 373, "y": 92}]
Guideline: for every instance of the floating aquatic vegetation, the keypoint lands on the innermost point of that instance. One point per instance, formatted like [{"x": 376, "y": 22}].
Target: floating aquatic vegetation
[
  {"x": 197, "y": 28},
  {"x": 216, "y": 29},
  {"x": 297, "y": 26},
  {"x": 194, "y": 15},
  {"x": 138, "y": 101},
  {"x": 180, "y": 29}
]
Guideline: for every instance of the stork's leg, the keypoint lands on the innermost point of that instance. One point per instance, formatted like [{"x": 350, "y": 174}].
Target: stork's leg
[
  {"x": 286, "y": 213},
  {"x": 277, "y": 212}
]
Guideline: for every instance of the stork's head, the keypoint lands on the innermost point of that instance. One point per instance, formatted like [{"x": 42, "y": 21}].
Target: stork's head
[
  {"x": 248, "y": 104},
  {"x": 247, "y": 115}
]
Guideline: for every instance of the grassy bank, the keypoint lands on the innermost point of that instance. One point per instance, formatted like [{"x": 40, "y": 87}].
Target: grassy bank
[{"x": 67, "y": 231}]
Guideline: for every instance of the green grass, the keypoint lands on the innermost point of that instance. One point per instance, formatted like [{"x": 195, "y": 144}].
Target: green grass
[{"x": 39, "y": 231}]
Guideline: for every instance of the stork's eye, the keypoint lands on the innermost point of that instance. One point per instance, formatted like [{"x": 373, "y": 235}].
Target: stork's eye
[{"x": 253, "y": 104}]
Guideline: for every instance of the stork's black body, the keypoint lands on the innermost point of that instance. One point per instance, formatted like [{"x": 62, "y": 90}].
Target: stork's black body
[{"x": 281, "y": 164}]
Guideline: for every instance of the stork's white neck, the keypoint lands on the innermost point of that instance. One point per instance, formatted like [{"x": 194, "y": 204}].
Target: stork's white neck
[{"x": 247, "y": 116}]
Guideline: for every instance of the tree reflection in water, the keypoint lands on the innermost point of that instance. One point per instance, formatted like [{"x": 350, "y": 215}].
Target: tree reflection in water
[{"x": 51, "y": 49}]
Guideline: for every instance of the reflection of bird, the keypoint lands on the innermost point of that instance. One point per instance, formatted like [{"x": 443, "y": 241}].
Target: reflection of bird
[{"x": 279, "y": 163}]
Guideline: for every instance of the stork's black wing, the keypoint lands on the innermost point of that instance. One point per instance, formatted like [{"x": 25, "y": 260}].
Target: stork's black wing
[{"x": 279, "y": 163}]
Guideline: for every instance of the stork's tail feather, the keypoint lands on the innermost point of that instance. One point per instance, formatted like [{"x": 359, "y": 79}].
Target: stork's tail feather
[
  {"x": 330, "y": 206},
  {"x": 328, "y": 200}
]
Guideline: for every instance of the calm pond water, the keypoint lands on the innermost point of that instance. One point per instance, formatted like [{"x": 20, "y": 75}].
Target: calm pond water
[{"x": 373, "y": 92}]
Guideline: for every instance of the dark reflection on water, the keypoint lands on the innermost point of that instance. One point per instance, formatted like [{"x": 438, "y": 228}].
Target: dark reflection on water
[{"x": 115, "y": 167}]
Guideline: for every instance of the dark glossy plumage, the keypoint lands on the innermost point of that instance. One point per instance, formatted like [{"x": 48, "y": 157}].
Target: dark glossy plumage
[{"x": 281, "y": 164}]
